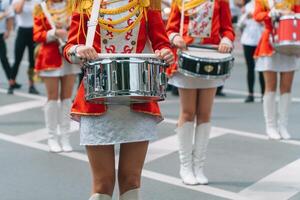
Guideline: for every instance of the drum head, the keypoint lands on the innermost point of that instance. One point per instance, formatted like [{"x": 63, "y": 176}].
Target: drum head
[{"x": 207, "y": 53}]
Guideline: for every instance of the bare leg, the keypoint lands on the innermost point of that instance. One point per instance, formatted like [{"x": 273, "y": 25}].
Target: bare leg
[
  {"x": 52, "y": 87},
  {"x": 102, "y": 163},
  {"x": 188, "y": 98},
  {"x": 132, "y": 157},
  {"x": 67, "y": 84},
  {"x": 286, "y": 80},
  {"x": 205, "y": 103}
]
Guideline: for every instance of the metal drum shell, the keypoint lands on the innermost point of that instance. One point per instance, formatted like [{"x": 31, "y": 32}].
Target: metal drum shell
[
  {"x": 204, "y": 67},
  {"x": 125, "y": 81}
]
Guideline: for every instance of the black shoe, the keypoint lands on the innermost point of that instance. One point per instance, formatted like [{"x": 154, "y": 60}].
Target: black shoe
[
  {"x": 16, "y": 86},
  {"x": 175, "y": 91},
  {"x": 33, "y": 90},
  {"x": 220, "y": 94},
  {"x": 169, "y": 87},
  {"x": 249, "y": 99},
  {"x": 10, "y": 90}
]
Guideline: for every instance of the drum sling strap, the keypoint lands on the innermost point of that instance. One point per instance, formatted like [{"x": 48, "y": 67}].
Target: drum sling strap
[{"x": 92, "y": 23}]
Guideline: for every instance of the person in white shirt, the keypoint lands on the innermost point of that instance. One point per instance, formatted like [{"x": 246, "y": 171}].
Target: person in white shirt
[
  {"x": 6, "y": 25},
  {"x": 24, "y": 18},
  {"x": 251, "y": 33}
]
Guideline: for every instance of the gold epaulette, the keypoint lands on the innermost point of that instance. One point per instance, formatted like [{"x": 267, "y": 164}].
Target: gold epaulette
[
  {"x": 155, "y": 5},
  {"x": 37, "y": 10}
]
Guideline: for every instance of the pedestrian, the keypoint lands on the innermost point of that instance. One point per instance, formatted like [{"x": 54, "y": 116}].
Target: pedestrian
[
  {"x": 125, "y": 27},
  {"x": 58, "y": 75},
  {"x": 24, "y": 20},
  {"x": 251, "y": 33},
  {"x": 6, "y": 26},
  {"x": 197, "y": 94},
  {"x": 272, "y": 64}
]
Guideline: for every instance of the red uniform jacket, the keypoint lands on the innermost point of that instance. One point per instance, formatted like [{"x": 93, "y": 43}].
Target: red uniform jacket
[
  {"x": 48, "y": 56},
  {"x": 153, "y": 29},
  {"x": 261, "y": 14},
  {"x": 221, "y": 25}
]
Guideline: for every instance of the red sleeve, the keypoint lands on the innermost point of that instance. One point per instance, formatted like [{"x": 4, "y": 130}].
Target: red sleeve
[
  {"x": 157, "y": 33},
  {"x": 226, "y": 29},
  {"x": 297, "y": 7},
  {"x": 77, "y": 32},
  {"x": 260, "y": 13},
  {"x": 173, "y": 25},
  {"x": 39, "y": 26}
]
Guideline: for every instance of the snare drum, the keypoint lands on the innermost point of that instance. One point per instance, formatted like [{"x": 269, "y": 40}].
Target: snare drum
[
  {"x": 286, "y": 35},
  {"x": 205, "y": 63},
  {"x": 125, "y": 79}
]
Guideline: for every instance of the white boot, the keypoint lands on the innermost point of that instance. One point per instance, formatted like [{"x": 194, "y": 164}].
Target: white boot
[
  {"x": 185, "y": 136},
  {"x": 269, "y": 106},
  {"x": 98, "y": 196},
  {"x": 199, "y": 153},
  {"x": 51, "y": 120},
  {"x": 283, "y": 109},
  {"x": 65, "y": 124},
  {"x": 131, "y": 195}
]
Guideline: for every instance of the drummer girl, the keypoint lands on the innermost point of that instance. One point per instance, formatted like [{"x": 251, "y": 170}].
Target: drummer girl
[
  {"x": 124, "y": 26},
  {"x": 57, "y": 74},
  {"x": 204, "y": 22},
  {"x": 272, "y": 64}
]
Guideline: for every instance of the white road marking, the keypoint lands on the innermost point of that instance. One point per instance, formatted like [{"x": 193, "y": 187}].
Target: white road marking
[
  {"x": 240, "y": 133},
  {"x": 21, "y": 106},
  {"x": 22, "y": 94},
  {"x": 41, "y": 134},
  {"x": 282, "y": 184},
  {"x": 146, "y": 173}
]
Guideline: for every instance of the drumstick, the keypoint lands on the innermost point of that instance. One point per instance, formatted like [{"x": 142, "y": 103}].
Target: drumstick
[
  {"x": 203, "y": 46},
  {"x": 126, "y": 55}
]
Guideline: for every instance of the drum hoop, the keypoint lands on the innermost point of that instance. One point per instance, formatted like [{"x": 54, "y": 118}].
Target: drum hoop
[
  {"x": 286, "y": 42},
  {"x": 285, "y": 17},
  {"x": 229, "y": 58},
  {"x": 207, "y": 77},
  {"x": 154, "y": 61}
]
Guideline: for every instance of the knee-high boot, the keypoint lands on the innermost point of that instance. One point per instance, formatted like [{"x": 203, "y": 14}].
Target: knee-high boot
[
  {"x": 98, "y": 196},
  {"x": 199, "y": 153},
  {"x": 65, "y": 124},
  {"x": 269, "y": 106},
  {"x": 283, "y": 109},
  {"x": 131, "y": 195},
  {"x": 185, "y": 136},
  {"x": 51, "y": 120}
]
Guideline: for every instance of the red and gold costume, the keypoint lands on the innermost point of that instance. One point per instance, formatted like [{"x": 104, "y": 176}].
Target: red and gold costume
[
  {"x": 261, "y": 14},
  {"x": 124, "y": 27},
  {"x": 48, "y": 56},
  {"x": 205, "y": 22}
]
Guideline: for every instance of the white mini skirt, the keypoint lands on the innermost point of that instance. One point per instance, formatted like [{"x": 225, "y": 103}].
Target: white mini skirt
[
  {"x": 182, "y": 81},
  {"x": 118, "y": 125},
  {"x": 277, "y": 63},
  {"x": 67, "y": 69}
]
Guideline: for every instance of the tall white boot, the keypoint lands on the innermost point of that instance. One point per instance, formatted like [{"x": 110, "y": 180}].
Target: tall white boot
[
  {"x": 131, "y": 195},
  {"x": 199, "y": 153},
  {"x": 283, "y": 110},
  {"x": 51, "y": 120},
  {"x": 98, "y": 196},
  {"x": 185, "y": 136},
  {"x": 269, "y": 106},
  {"x": 65, "y": 124}
]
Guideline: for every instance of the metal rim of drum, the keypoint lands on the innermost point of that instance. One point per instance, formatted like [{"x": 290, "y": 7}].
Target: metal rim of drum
[{"x": 213, "y": 60}]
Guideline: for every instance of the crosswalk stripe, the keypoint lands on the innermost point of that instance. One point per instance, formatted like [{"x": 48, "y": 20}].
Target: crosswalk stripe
[
  {"x": 282, "y": 184},
  {"x": 19, "y": 107}
]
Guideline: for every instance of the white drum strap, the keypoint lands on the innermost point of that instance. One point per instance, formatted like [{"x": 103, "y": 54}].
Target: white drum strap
[
  {"x": 49, "y": 19},
  {"x": 92, "y": 23},
  {"x": 271, "y": 3},
  {"x": 182, "y": 19}
]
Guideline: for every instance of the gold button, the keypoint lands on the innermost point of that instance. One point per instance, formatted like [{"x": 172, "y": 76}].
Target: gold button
[
  {"x": 104, "y": 41},
  {"x": 133, "y": 42}
]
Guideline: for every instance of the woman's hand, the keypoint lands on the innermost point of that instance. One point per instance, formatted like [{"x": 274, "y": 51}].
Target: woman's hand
[
  {"x": 165, "y": 54},
  {"x": 179, "y": 42},
  {"x": 85, "y": 52},
  {"x": 224, "y": 48}
]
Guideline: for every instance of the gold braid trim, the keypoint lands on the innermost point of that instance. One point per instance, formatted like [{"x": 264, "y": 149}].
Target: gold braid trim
[
  {"x": 37, "y": 11},
  {"x": 155, "y": 5},
  {"x": 189, "y": 5},
  {"x": 119, "y": 10},
  {"x": 114, "y": 22}
]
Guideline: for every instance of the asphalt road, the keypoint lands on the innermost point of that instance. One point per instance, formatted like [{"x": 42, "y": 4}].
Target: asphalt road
[{"x": 242, "y": 163}]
